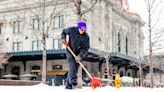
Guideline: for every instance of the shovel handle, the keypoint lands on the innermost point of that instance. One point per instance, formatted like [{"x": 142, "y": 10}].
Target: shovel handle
[{"x": 80, "y": 63}]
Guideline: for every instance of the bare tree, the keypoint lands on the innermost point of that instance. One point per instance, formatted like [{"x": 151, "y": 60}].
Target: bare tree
[
  {"x": 154, "y": 10},
  {"x": 159, "y": 64},
  {"x": 43, "y": 11},
  {"x": 81, "y": 7},
  {"x": 3, "y": 56},
  {"x": 140, "y": 64},
  {"x": 3, "y": 60}
]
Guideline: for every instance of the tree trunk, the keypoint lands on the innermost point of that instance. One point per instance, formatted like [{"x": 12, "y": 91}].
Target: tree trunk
[
  {"x": 79, "y": 15},
  {"x": 44, "y": 62},
  {"x": 44, "y": 57},
  {"x": 150, "y": 50},
  {"x": 79, "y": 74}
]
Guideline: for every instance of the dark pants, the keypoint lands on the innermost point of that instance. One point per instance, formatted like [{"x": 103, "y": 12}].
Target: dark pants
[{"x": 73, "y": 69}]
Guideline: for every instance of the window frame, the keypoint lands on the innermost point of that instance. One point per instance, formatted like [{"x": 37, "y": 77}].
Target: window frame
[
  {"x": 59, "y": 44},
  {"x": 37, "y": 46},
  {"x": 17, "y": 26},
  {"x": 119, "y": 42},
  {"x": 36, "y": 23},
  {"x": 126, "y": 45},
  {"x": 58, "y": 21},
  {"x": 0, "y": 29},
  {"x": 17, "y": 46}
]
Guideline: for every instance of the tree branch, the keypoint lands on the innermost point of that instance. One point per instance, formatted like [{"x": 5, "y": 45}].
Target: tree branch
[
  {"x": 75, "y": 3},
  {"x": 158, "y": 18},
  {"x": 157, "y": 38},
  {"x": 55, "y": 15},
  {"x": 157, "y": 5},
  {"x": 83, "y": 12}
]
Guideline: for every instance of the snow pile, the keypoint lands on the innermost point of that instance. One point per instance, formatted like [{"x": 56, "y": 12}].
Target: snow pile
[
  {"x": 45, "y": 88},
  {"x": 127, "y": 79}
]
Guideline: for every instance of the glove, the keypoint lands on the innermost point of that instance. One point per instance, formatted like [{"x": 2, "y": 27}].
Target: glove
[
  {"x": 66, "y": 44},
  {"x": 78, "y": 58}
]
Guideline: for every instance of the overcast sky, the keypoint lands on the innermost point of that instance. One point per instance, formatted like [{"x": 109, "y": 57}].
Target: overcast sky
[{"x": 139, "y": 7}]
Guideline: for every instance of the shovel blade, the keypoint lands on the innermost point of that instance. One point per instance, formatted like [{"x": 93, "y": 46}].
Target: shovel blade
[{"x": 95, "y": 82}]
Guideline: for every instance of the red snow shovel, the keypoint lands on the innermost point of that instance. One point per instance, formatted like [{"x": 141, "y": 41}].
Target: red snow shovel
[{"x": 95, "y": 81}]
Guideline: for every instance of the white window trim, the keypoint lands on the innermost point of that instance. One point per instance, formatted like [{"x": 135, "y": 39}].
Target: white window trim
[
  {"x": 58, "y": 21},
  {"x": 17, "y": 46},
  {"x": 59, "y": 44},
  {"x": 17, "y": 26},
  {"x": 36, "y": 45}
]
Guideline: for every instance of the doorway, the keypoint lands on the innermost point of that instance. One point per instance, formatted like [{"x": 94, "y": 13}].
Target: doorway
[{"x": 16, "y": 71}]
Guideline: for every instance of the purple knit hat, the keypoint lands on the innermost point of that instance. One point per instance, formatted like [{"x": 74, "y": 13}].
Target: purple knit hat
[{"x": 82, "y": 25}]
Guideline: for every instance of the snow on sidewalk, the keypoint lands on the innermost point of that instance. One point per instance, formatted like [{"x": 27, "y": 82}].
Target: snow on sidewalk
[{"x": 45, "y": 88}]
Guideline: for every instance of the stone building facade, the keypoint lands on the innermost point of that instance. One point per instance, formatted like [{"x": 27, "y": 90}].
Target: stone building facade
[{"x": 111, "y": 31}]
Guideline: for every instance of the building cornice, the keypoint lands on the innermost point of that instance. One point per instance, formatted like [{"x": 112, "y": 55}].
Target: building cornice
[
  {"x": 134, "y": 17},
  {"x": 30, "y": 6}
]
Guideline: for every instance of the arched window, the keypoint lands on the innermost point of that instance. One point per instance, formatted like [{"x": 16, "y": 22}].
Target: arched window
[
  {"x": 121, "y": 73},
  {"x": 128, "y": 74},
  {"x": 113, "y": 75},
  {"x": 16, "y": 71},
  {"x": 119, "y": 42},
  {"x": 106, "y": 73},
  {"x": 114, "y": 37},
  {"x": 126, "y": 45}
]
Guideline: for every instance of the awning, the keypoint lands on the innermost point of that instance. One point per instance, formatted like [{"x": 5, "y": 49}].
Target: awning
[
  {"x": 36, "y": 55},
  {"x": 38, "y": 52},
  {"x": 51, "y": 54},
  {"x": 124, "y": 56}
]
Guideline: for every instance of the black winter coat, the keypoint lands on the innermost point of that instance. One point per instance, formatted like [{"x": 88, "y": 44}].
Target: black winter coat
[{"x": 78, "y": 43}]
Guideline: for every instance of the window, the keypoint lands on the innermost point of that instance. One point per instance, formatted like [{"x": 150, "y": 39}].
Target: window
[
  {"x": 57, "y": 44},
  {"x": 36, "y": 45},
  {"x": 36, "y": 24},
  {"x": 0, "y": 29},
  {"x": 16, "y": 46},
  {"x": 35, "y": 67},
  {"x": 105, "y": 73},
  {"x": 17, "y": 27},
  {"x": 119, "y": 42},
  {"x": 126, "y": 46},
  {"x": 58, "y": 21},
  {"x": 35, "y": 70}
]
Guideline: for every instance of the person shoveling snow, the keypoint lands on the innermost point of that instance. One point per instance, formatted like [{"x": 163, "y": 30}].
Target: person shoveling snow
[{"x": 77, "y": 50}]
